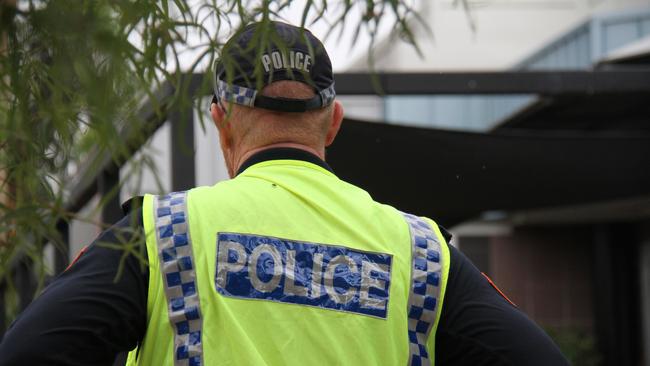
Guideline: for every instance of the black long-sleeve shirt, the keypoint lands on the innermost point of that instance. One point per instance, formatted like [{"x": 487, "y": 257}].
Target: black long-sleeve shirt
[{"x": 91, "y": 312}]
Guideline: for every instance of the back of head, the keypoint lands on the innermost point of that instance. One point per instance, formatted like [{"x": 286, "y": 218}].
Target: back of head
[
  {"x": 267, "y": 52},
  {"x": 276, "y": 82},
  {"x": 260, "y": 127}
]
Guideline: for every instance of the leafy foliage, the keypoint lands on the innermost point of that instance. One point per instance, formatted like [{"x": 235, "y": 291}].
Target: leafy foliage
[{"x": 73, "y": 75}]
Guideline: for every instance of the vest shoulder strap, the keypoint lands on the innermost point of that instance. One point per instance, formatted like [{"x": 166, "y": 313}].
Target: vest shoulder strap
[
  {"x": 425, "y": 289},
  {"x": 177, "y": 266}
]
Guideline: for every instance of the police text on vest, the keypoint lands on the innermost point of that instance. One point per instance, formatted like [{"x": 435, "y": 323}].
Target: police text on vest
[{"x": 326, "y": 276}]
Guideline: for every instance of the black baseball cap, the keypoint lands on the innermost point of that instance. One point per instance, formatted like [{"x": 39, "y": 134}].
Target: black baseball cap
[{"x": 262, "y": 53}]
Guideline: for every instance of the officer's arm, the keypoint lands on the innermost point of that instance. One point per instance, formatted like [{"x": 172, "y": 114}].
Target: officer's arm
[
  {"x": 87, "y": 315},
  {"x": 478, "y": 326}
]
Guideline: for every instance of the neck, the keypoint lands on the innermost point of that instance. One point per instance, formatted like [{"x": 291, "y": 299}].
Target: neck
[{"x": 242, "y": 158}]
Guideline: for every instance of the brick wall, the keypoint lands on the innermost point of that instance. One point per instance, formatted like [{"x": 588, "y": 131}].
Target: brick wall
[{"x": 547, "y": 273}]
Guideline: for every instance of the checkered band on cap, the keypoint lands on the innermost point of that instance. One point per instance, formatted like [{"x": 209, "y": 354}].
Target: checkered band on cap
[
  {"x": 245, "y": 96},
  {"x": 328, "y": 94},
  {"x": 425, "y": 288},
  {"x": 179, "y": 276},
  {"x": 236, "y": 94}
]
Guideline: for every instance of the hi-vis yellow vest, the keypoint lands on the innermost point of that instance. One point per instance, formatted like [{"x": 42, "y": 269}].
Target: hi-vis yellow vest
[{"x": 288, "y": 265}]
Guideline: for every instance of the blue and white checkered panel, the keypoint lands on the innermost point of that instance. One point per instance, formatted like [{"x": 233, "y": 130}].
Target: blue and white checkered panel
[
  {"x": 236, "y": 94},
  {"x": 179, "y": 276},
  {"x": 425, "y": 288},
  {"x": 328, "y": 94}
]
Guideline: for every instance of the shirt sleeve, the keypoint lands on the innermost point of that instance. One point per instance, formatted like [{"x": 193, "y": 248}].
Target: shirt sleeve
[
  {"x": 478, "y": 326},
  {"x": 94, "y": 310}
]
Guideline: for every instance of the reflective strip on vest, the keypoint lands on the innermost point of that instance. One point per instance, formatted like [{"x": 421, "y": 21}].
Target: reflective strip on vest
[
  {"x": 425, "y": 288},
  {"x": 179, "y": 276}
]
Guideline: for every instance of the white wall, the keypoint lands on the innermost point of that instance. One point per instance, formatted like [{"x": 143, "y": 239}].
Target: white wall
[
  {"x": 209, "y": 163},
  {"x": 149, "y": 171},
  {"x": 155, "y": 177},
  {"x": 85, "y": 228},
  {"x": 506, "y": 32}
]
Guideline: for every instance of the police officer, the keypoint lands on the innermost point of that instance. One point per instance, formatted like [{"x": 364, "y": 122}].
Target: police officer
[{"x": 284, "y": 264}]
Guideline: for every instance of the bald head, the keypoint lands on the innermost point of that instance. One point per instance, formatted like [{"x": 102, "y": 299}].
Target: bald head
[
  {"x": 259, "y": 127},
  {"x": 289, "y": 89},
  {"x": 245, "y": 130}
]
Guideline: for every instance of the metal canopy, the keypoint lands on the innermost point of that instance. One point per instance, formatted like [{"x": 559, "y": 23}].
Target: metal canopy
[
  {"x": 506, "y": 82},
  {"x": 607, "y": 83},
  {"x": 585, "y": 112},
  {"x": 456, "y": 176},
  {"x": 620, "y": 110}
]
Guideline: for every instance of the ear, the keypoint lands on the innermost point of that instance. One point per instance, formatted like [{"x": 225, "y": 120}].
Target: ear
[
  {"x": 218, "y": 114},
  {"x": 220, "y": 119},
  {"x": 335, "y": 124}
]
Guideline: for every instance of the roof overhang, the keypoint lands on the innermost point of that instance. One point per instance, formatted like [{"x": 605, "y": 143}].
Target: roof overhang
[{"x": 456, "y": 176}]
